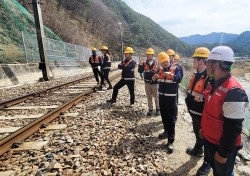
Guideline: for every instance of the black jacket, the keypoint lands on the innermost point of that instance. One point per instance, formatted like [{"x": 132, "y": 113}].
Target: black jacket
[
  {"x": 190, "y": 102},
  {"x": 128, "y": 69},
  {"x": 105, "y": 62},
  {"x": 149, "y": 73}
]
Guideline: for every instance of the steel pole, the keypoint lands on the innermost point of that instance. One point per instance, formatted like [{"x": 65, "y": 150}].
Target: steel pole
[
  {"x": 121, "y": 46},
  {"x": 43, "y": 65}
]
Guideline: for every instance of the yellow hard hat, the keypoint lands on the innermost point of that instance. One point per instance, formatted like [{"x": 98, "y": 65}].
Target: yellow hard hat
[
  {"x": 93, "y": 49},
  {"x": 170, "y": 52},
  {"x": 129, "y": 50},
  {"x": 201, "y": 52},
  {"x": 104, "y": 48},
  {"x": 176, "y": 57},
  {"x": 150, "y": 51},
  {"x": 163, "y": 57}
]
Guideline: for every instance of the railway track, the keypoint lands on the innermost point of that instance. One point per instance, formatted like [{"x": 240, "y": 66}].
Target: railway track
[{"x": 35, "y": 110}]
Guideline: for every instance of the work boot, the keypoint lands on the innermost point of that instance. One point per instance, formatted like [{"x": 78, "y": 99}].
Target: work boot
[
  {"x": 195, "y": 151},
  {"x": 99, "y": 88},
  {"x": 150, "y": 112},
  {"x": 111, "y": 101},
  {"x": 170, "y": 147},
  {"x": 163, "y": 135},
  {"x": 157, "y": 112},
  {"x": 110, "y": 87},
  {"x": 204, "y": 169}
]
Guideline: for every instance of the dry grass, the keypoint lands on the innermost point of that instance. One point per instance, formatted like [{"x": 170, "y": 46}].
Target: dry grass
[
  {"x": 11, "y": 52},
  {"x": 240, "y": 68}
]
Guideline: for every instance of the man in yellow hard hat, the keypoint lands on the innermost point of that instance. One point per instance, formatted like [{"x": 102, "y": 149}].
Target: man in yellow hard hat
[
  {"x": 94, "y": 61},
  {"x": 128, "y": 76},
  {"x": 195, "y": 104},
  {"x": 168, "y": 77},
  {"x": 171, "y": 54},
  {"x": 105, "y": 66},
  {"x": 224, "y": 111},
  {"x": 149, "y": 68}
]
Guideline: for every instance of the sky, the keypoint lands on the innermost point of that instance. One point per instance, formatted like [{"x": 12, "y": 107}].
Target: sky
[{"x": 189, "y": 17}]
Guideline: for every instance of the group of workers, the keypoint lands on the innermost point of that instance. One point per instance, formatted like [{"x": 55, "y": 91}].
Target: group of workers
[
  {"x": 215, "y": 101},
  {"x": 101, "y": 66}
]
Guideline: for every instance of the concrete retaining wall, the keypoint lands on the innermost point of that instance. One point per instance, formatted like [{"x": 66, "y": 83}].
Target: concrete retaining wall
[{"x": 15, "y": 74}]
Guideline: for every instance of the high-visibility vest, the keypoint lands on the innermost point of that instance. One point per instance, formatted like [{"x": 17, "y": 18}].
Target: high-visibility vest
[
  {"x": 168, "y": 78},
  {"x": 198, "y": 87},
  {"x": 94, "y": 60},
  {"x": 147, "y": 67},
  {"x": 212, "y": 118}
]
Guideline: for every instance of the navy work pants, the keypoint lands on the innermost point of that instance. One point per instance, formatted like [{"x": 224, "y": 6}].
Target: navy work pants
[
  {"x": 97, "y": 73},
  {"x": 105, "y": 76},
  {"x": 196, "y": 127},
  {"x": 219, "y": 169},
  {"x": 168, "y": 109},
  {"x": 131, "y": 87}
]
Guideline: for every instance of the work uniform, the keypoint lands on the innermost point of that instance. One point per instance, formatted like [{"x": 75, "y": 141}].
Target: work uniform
[
  {"x": 167, "y": 99},
  {"x": 196, "y": 88},
  {"x": 151, "y": 87},
  {"x": 182, "y": 74},
  {"x": 221, "y": 124},
  {"x": 105, "y": 68},
  {"x": 94, "y": 61},
  {"x": 128, "y": 78}
]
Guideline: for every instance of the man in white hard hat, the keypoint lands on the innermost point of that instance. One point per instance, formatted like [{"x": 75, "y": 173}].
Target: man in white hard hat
[{"x": 223, "y": 114}]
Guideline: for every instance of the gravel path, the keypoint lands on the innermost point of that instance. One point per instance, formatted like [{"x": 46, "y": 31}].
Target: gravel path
[{"x": 106, "y": 139}]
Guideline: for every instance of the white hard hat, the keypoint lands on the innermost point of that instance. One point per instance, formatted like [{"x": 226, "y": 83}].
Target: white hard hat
[{"x": 222, "y": 53}]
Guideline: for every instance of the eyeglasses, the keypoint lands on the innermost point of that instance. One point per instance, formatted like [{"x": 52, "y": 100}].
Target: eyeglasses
[{"x": 209, "y": 61}]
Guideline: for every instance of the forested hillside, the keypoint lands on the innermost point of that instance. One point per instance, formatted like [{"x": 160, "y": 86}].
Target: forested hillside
[
  {"x": 239, "y": 43},
  {"x": 214, "y": 37},
  {"x": 96, "y": 22}
]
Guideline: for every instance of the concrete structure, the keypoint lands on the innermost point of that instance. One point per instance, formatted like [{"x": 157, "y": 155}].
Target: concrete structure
[{"x": 16, "y": 74}]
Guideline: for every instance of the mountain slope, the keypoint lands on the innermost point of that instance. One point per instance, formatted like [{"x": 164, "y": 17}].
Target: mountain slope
[
  {"x": 239, "y": 43},
  {"x": 211, "y": 38},
  {"x": 95, "y": 23},
  {"x": 15, "y": 19},
  {"x": 243, "y": 42}
]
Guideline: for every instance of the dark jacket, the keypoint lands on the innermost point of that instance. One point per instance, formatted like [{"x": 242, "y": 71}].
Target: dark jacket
[
  {"x": 128, "y": 69},
  {"x": 170, "y": 87},
  {"x": 193, "y": 105},
  {"x": 149, "y": 71},
  {"x": 105, "y": 62},
  {"x": 94, "y": 61}
]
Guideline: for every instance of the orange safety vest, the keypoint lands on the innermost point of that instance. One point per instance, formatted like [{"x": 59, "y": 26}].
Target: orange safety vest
[
  {"x": 147, "y": 67},
  {"x": 198, "y": 87},
  {"x": 94, "y": 60},
  {"x": 212, "y": 118},
  {"x": 126, "y": 64},
  {"x": 161, "y": 73}
]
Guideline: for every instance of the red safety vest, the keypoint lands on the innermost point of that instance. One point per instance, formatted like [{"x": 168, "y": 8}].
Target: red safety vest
[
  {"x": 94, "y": 60},
  {"x": 199, "y": 86},
  {"x": 212, "y": 117}
]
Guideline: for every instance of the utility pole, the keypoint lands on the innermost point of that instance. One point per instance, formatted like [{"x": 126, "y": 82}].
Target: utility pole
[
  {"x": 120, "y": 25},
  {"x": 43, "y": 65}
]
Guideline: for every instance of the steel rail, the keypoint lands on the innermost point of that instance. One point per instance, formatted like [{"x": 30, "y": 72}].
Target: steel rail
[
  {"x": 24, "y": 132},
  {"x": 19, "y": 99}
]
